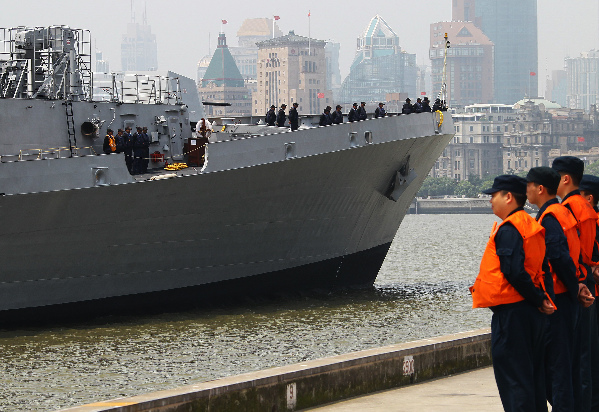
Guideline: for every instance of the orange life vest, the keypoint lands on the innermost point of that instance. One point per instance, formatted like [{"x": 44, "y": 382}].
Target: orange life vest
[
  {"x": 111, "y": 142},
  {"x": 491, "y": 288},
  {"x": 587, "y": 227},
  {"x": 569, "y": 225}
]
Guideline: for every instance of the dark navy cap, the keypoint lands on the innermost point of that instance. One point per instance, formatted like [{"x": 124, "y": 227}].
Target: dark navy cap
[
  {"x": 569, "y": 164},
  {"x": 545, "y": 176},
  {"x": 590, "y": 183},
  {"x": 510, "y": 183}
]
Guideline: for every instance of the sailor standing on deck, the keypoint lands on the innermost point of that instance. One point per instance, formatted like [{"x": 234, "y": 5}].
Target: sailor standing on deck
[
  {"x": 271, "y": 116},
  {"x": 511, "y": 283},
  {"x": 294, "y": 117},
  {"x": 562, "y": 252},
  {"x": 337, "y": 116},
  {"x": 352, "y": 116},
  {"x": 128, "y": 148},
  {"x": 571, "y": 170},
  {"x": 362, "y": 115},
  {"x": 380, "y": 111},
  {"x": 281, "y": 116}
]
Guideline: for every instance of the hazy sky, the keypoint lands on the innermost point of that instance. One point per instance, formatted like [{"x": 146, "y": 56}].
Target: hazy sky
[{"x": 182, "y": 27}]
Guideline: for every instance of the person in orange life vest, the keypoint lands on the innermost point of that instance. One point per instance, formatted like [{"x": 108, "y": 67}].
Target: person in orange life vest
[
  {"x": 571, "y": 170},
  {"x": 562, "y": 252},
  {"x": 589, "y": 190},
  {"x": 511, "y": 283},
  {"x": 109, "y": 142}
]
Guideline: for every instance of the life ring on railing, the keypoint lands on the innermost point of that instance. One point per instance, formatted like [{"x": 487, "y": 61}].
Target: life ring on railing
[{"x": 440, "y": 118}]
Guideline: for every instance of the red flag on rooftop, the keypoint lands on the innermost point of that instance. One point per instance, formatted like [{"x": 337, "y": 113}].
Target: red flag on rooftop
[
  {"x": 308, "y": 14},
  {"x": 223, "y": 21},
  {"x": 277, "y": 17},
  {"x": 580, "y": 139},
  {"x": 422, "y": 93},
  {"x": 533, "y": 74},
  {"x": 321, "y": 95}
]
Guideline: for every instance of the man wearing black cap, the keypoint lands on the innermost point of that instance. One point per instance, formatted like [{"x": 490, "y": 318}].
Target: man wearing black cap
[
  {"x": 571, "y": 170},
  {"x": 362, "y": 111},
  {"x": 426, "y": 105},
  {"x": 281, "y": 116},
  {"x": 589, "y": 189},
  {"x": 380, "y": 111},
  {"x": 511, "y": 283},
  {"x": 562, "y": 252},
  {"x": 271, "y": 116},
  {"x": 293, "y": 117},
  {"x": 407, "y": 107},
  {"x": 337, "y": 116},
  {"x": 325, "y": 117},
  {"x": 352, "y": 116}
]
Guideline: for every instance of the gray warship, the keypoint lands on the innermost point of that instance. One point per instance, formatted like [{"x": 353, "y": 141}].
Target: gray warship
[{"x": 265, "y": 211}]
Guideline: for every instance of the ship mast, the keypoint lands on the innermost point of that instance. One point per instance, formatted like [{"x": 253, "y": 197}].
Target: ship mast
[{"x": 443, "y": 92}]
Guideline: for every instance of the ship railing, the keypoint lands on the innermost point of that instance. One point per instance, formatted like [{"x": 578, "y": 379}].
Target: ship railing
[{"x": 52, "y": 153}]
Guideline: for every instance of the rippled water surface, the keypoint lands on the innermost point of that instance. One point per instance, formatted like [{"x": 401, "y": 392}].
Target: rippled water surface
[{"x": 421, "y": 291}]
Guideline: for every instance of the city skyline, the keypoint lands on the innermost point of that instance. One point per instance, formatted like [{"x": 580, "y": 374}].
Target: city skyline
[{"x": 182, "y": 34}]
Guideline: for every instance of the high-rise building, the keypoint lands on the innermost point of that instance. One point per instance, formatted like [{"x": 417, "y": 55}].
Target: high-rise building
[
  {"x": 512, "y": 27},
  {"x": 290, "y": 69},
  {"x": 583, "y": 80},
  {"x": 469, "y": 68},
  {"x": 139, "y": 50},
  {"x": 379, "y": 67},
  {"x": 331, "y": 51},
  {"x": 223, "y": 83},
  {"x": 557, "y": 87}
]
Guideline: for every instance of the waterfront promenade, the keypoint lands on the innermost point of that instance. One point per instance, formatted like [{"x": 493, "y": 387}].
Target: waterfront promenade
[
  {"x": 464, "y": 392},
  {"x": 353, "y": 376}
]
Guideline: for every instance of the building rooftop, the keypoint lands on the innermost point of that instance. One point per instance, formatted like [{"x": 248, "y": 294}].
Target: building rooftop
[
  {"x": 223, "y": 70},
  {"x": 291, "y": 38},
  {"x": 459, "y": 34},
  {"x": 538, "y": 101},
  {"x": 258, "y": 27}
]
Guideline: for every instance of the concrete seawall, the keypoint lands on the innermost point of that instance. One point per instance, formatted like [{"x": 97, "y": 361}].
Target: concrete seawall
[{"x": 320, "y": 381}]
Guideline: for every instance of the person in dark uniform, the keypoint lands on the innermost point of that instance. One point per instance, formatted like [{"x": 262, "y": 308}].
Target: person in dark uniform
[
  {"x": 562, "y": 252},
  {"x": 407, "y": 107},
  {"x": 511, "y": 282},
  {"x": 146, "y": 155},
  {"x": 380, "y": 111},
  {"x": 571, "y": 170},
  {"x": 120, "y": 141},
  {"x": 352, "y": 116},
  {"x": 281, "y": 116},
  {"x": 337, "y": 116},
  {"x": 362, "y": 115},
  {"x": 138, "y": 151},
  {"x": 128, "y": 148},
  {"x": 109, "y": 145},
  {"x": 417, "y": 108},
  {"x": 437, "y": 106},
  {"x": 325, "y": 117},
  {"x": 271, "y": 116},
  {"x": 426, "y": 105},
  {"x": 294, "y": 117}
]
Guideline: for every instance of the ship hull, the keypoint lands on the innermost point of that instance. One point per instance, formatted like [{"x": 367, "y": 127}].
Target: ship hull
[{"x": 322, "y": 220}]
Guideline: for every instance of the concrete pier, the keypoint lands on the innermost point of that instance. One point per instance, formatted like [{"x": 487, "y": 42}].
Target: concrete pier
[{"x": 319, "y": 382}]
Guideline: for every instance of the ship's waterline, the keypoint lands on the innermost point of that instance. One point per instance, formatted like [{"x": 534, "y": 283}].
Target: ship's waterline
[{"x": 421, "y": 292}]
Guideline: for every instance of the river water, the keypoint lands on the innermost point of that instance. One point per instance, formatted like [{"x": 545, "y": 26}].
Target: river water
[{"x": 421, "y": 291}]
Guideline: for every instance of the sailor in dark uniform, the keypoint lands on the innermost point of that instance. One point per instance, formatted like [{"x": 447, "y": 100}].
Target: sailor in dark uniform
[
  {"x": 380, "y": 111},
  {"x": 325, "y": 117},
  {"x": 426, "y": 105},
  {"x": 407, "y": 107},
  {"x": 271, "y": 116},
  {"x": 337, "y": 116},
  {"x": 362, "y": 111},
  {"x": 281, "y": 116},
  {"x": 352, "y": 116},
  {"x": 294, "y": 117}
]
